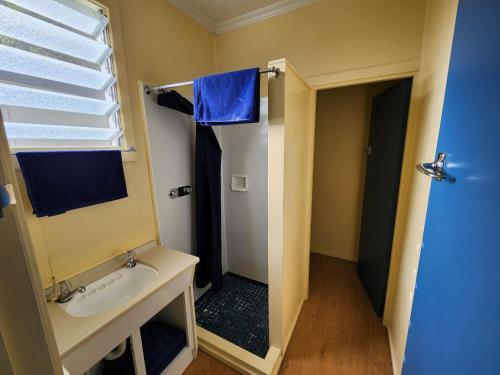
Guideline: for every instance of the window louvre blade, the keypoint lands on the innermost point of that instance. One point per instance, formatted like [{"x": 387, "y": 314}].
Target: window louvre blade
[
  {"x": 20, "y": 26},
  {"x": 13, "y": 60},
  {"x": 49, "y": 132},
  {"x": 69, "y": 13},
  {"x": 14, "y": 96}
]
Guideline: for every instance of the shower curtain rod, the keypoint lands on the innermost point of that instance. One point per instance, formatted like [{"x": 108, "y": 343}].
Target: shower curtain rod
[{"x": 157, "y": 89}]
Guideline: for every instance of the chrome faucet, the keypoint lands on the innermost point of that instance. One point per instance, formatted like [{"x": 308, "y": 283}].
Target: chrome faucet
[
  {"x": 65, "y": 292},
  {"x": 130, "y": 259}
]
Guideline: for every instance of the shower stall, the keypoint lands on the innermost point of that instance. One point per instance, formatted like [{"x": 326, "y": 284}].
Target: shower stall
[{"x": 248, "y": 322}]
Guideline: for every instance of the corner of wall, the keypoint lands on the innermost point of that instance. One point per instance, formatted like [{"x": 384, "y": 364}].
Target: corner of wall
[{"x": 216, "y": 60}]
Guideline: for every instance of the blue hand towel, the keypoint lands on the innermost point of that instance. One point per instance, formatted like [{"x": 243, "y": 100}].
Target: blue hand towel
[
  {"x": 228, "y": 98},
  {"x": 58, "y": 181}
]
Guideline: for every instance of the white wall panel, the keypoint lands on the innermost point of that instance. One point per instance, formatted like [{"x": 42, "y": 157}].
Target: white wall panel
[{"x": 244, "y": 152}]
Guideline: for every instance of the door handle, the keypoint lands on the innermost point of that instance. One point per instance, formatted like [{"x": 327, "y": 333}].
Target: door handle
[
  {"x": 436, "y": 169},
  {"x": 7, "y": 197}
]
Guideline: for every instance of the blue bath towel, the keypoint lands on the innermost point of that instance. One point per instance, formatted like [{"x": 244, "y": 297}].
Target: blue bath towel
[
  {"x": 228, "y": 98},
  {"x": 58, "y": 181}
]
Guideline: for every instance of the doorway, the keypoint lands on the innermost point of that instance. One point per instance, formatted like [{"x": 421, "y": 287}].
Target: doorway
[{"x": 359, "y": 143}]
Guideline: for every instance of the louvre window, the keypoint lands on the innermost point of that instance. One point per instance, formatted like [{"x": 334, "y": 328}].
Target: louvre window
[{"x": 57, "y": 87}]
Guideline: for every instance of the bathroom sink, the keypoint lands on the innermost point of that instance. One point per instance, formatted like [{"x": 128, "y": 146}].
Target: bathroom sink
[{"x": 110, "y": 291}]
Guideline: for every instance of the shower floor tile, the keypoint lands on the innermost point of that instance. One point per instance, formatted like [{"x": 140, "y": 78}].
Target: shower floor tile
[{"x": 238, "y": 312}]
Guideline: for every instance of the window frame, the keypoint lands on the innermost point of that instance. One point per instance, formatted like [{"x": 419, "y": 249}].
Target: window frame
[{"x": 112, "y": 34}]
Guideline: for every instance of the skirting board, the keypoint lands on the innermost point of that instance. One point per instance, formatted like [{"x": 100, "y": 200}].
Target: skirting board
[
  {"x": 393, "y": 357},
  {"x": 236, "y": 357},
  {"x": 292, "y": 328}
]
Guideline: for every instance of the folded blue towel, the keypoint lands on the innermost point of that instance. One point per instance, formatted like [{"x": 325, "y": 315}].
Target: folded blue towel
[
  {"x": 58, "y": 181},
  {"x": 160, "y": 343},
  {"x": 228, "y": 98}
]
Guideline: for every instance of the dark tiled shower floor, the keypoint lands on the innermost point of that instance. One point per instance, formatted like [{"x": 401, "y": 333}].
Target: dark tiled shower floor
[{"x": 238, "y": 313}]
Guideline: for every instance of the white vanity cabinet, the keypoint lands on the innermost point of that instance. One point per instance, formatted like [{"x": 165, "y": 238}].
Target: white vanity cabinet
[{"x": 84, "y": 341}]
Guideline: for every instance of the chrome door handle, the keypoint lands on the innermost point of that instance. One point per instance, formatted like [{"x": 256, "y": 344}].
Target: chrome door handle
[{"x": 435, "y": 169}]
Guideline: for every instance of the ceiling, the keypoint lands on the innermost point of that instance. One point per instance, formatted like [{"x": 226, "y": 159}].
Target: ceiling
[{"x": 220, "y": 16}]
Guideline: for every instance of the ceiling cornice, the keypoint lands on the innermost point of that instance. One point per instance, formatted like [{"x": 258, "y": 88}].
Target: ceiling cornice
[
  {"x": 195, "y": 14},
  {"x": 258, "y": 15},
  {"x": 249, "y": 18}
]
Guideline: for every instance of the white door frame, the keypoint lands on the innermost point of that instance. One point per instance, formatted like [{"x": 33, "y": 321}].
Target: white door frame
[{"x": 406, "y": 69}]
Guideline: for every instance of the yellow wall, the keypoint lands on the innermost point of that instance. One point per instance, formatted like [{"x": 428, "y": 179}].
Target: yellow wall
[
  {"x": 342, "y": 129},
  {"x": 329, "y": 36},
  {"x": 429, "y": 90},
  {"x": 26, "y": 338},
  {"x": 155, "y": 43}
]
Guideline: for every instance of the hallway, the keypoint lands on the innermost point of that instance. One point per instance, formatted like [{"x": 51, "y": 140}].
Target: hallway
[{"x": 337, "y": 331}]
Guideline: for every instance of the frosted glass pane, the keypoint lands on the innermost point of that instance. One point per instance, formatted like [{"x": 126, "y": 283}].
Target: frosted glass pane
[
  {"x": 17, "y": 61},
  {"x": 66, "y": 12},
  {"x": 15, "y": 96},
  {"x": 31, "y": 30},
  {"x": 36, "y": 131}
]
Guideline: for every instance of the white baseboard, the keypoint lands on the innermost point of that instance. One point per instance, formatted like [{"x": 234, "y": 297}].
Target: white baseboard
[
  {"x": 274, "y": 356},
  {"x": 289, "y": 334},
  {"x": 238, "y": 358},
  {"x": 396, "y": 370}
]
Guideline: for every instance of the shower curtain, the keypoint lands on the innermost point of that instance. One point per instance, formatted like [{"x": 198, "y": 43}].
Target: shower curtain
[
  {"x": 208, "y": 195},
  {"x": 208, "y": 207}
]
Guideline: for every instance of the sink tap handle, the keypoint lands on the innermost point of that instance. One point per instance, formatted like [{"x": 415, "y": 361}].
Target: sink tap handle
[
  {"x": 66, "y": 293},
  {"x": 130, "y": 259}
]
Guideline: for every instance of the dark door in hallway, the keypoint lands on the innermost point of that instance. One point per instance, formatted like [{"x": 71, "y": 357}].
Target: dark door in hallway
[
  {"x": 455, "y": 320},
  {"x": 385, "y": 154}
]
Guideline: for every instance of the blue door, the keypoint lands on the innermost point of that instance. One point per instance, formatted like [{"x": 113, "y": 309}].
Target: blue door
[{"x": 455, "y": 321}]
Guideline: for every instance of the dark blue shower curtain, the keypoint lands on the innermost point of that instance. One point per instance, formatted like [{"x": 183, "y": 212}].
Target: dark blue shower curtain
[
  {"x": 208, "y": 207},
  {"x": 208, "y": 195}
]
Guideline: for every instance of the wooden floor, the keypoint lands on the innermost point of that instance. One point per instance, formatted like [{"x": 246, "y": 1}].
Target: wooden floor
[
  {"x": 337, "y": 331},
  {"x": 207, "y": 365}
]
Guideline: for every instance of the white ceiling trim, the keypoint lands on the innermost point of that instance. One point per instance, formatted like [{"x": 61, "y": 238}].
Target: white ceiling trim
[
  {"x": 249, "y": 18},
  {"x": 258, "y": 15},
  {"x": 195, "y": 14}
]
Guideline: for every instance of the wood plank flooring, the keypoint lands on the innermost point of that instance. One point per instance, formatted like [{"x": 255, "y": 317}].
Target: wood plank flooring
[
  {"x": 337, "y": 331},
  {"x": 207, "y": 365}
]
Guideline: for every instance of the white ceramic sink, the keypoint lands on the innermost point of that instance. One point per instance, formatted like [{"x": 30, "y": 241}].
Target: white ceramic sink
[{"x": 110, "y": 291}]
